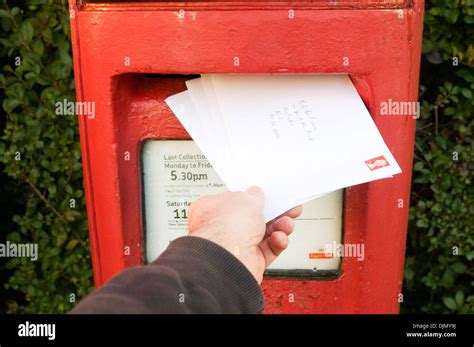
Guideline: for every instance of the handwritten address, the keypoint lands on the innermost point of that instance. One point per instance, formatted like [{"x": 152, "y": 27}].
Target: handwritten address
[{"x": 296, "y": 115}]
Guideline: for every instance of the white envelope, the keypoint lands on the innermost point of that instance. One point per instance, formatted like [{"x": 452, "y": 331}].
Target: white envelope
[{"x": 296, "y": 136}]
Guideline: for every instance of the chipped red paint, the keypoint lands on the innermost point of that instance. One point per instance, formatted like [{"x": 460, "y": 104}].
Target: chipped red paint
[{"x": 383, "y": 48}]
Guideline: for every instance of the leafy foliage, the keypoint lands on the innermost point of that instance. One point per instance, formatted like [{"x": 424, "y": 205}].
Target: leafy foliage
[
  {"x": 449, "y": 30},
  {"x": 440, "y": 251},
  {"x": 40, "y": 151}
]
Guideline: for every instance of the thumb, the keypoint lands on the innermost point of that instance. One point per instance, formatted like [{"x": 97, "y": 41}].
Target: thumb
[{"x": 257, "y": 194}]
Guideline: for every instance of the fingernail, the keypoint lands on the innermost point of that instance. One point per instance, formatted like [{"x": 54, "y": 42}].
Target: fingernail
[{"x": 254, "y": 190}]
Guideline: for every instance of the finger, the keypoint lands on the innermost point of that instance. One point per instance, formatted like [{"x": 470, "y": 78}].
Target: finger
[
  {"x": 285, "y": 224},
  {"x": 257, "y": 193},
  {"x": 272, "y": 246},
  {"x": 295, "y": 212}
]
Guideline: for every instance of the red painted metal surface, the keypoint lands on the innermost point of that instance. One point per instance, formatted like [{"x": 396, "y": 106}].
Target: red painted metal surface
[{"x": 162, "y": 44}]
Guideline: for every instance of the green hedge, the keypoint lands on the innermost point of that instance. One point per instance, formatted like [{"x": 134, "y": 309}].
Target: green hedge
[
  {"x": 48, "y": 175},
  {"x": 439, "y": 271}
]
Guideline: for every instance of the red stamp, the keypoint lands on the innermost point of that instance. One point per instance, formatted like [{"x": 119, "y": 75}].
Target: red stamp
[{"x": 377, "y": 163}]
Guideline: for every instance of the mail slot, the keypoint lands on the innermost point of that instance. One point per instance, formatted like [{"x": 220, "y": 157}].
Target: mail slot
[{"x": 130, "y": 56}]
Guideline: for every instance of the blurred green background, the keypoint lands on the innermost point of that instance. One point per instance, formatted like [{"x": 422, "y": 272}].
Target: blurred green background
[{"x": 42, "y": 197}]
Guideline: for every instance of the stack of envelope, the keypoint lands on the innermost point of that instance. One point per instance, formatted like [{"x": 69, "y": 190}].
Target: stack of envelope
[{"x": 298, "y": 137}]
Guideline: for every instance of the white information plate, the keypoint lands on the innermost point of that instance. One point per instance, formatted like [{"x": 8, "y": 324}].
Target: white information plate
[{"x": 175, "y": 173}]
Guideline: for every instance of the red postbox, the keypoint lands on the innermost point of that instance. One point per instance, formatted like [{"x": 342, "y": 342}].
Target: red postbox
[{"x": 130, "y": 56}]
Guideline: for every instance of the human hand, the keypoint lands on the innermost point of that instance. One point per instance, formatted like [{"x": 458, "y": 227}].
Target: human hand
[{"x": 234, "y": 220}]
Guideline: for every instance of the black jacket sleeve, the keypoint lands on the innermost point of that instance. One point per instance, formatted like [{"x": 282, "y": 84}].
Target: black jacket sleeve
[{"x": 193, "y": 275}]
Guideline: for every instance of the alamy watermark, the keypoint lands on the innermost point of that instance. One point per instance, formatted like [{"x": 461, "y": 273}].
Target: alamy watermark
[
  {"x": 400, "y": 108},
  {"x": 75, "y": 108},
  {"x": 347, "y": 250},
  {"x": 28, "y": 329},
  {"x": 19, "y": 250}
]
